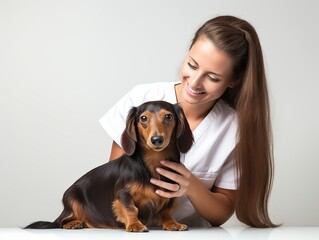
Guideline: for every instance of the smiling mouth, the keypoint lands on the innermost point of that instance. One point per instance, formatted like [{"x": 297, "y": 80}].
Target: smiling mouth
[{"x": 194, "y": 91}]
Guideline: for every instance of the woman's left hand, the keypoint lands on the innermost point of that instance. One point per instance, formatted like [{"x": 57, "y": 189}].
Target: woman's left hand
[{"x": 182, "y": 179}]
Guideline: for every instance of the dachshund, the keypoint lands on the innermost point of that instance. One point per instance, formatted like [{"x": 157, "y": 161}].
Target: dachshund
[{"x": 118, "y": 194}]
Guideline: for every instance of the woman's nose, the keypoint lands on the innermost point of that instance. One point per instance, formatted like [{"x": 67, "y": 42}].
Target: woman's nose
[{"x": 196, "y": 80}]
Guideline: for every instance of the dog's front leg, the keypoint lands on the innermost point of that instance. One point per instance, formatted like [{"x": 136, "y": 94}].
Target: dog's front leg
[
  {"x": 169, "y": 223},
  {"x": 127, "y": 213}
]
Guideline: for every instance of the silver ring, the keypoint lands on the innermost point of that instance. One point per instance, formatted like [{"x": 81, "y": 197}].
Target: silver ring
[{"x": 180, "y": 188}]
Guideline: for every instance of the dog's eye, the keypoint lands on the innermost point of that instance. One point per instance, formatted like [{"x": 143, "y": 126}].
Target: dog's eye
[
  {"x": 143, "y": 118},
  {"x": 168, "y": 117}
]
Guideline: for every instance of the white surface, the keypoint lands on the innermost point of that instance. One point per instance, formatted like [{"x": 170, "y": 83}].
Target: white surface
[
  {"x": 64, "y": 63},
  {"x": 193, "y": 234}
]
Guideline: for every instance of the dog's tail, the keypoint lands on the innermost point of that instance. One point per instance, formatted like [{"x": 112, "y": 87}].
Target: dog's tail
[
  {"x": 58, "y": 223},
  {"x": 43, "y": 225}
]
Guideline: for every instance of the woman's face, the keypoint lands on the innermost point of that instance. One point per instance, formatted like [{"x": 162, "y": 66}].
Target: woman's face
[{"x": 205, "y": 74}]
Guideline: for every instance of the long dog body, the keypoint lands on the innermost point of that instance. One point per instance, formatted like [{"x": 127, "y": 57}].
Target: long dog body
[{"x": 119, "y": 194}]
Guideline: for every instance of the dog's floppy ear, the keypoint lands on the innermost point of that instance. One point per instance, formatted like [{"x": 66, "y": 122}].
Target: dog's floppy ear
[
  {"x": 184, "y": 133},
  {"x": 128, "y": 138}
]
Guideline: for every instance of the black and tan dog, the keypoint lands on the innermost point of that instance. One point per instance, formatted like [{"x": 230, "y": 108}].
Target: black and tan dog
[{"x": 119, "y": 193}]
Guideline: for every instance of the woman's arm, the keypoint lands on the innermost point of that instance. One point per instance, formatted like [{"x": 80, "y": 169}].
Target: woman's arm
[
  {"x": 116, "y": 151},
  {"x": 215, "y": 206}
]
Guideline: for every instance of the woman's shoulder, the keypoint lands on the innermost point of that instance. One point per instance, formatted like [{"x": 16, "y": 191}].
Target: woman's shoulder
[
  {"x": 224, "y": 110},
  {"x": 153, "y": 91},
  {"x": 155, "y": 86}
]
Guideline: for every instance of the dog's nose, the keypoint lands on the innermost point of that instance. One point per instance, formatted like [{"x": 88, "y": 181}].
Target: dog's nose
[{"x": 157, "y": 140}]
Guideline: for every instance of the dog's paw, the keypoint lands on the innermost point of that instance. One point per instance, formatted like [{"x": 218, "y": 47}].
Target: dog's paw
[
  {"x": 175, "y": 227},
  {"x": 74, "y": 225},
  {"x": 136, "y": 227}
]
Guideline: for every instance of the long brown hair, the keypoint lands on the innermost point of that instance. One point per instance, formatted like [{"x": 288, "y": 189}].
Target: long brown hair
[{"x": 249, "y": 97}]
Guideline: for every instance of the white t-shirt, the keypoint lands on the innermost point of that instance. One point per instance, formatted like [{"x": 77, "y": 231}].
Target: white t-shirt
[{"x": 211, "y": 156}]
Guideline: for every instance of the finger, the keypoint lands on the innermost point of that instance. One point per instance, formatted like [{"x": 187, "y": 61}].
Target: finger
[
  {"x": 170, "y": 175},
  {"x": 168, "y": 186},
  {"x": 165, "y": 194},
  {"x": 178, "y": 167}
]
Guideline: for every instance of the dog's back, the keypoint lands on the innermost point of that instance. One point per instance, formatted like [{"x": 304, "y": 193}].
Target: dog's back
[{"x": 95, "y": 191}]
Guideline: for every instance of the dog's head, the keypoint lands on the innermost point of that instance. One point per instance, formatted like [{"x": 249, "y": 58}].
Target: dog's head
[{"x": 154, "y": 124}]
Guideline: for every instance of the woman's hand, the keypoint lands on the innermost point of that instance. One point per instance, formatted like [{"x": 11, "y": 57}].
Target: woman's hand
[
  {"x": 215, "y": 206},
  {"x": 182, "y": 179}
]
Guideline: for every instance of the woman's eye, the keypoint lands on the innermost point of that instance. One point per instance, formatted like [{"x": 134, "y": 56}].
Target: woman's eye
[
  {"x": 213, "y": 78},
  {"x": 191, "y": 66},
  {"x": 143, "y": 119},
  {"x": 168, "y": 117}
]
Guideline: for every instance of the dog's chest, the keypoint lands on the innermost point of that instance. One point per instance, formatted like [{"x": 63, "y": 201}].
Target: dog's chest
[{"x": 145, "y": 197}]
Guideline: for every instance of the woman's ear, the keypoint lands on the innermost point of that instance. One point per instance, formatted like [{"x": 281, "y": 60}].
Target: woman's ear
[
  {"x": 233, "y": 83},
  {"x": 128, "y": 138},
  {"x": 184, "y": 134}
]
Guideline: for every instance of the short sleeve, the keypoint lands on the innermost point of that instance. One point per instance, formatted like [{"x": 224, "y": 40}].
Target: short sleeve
[
  {"x": 227, "y": 177},
  {"x": 114, "y": 120}
]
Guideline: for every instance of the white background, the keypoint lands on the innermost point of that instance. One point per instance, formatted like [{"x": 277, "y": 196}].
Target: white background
[{"x": 64, "y": 63}]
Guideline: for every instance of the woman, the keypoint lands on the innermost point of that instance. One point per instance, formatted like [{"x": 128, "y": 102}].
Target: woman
[{"x": 223, "y": 93}]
